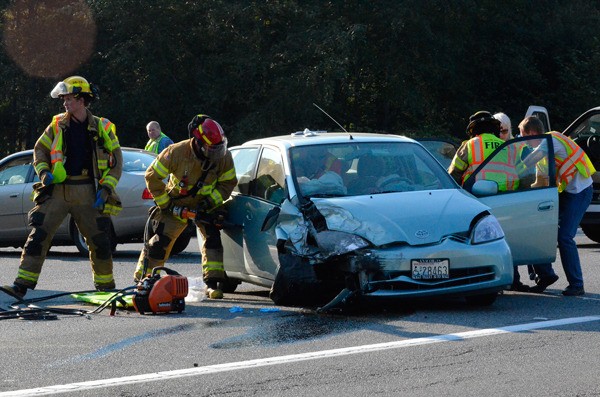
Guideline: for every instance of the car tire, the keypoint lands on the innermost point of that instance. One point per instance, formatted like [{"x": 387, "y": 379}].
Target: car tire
[
  {"x": 79, "y": 240},
  {"x": 591, "y": 232},
  {"x": 481, "y": 300},
  {"x": 180, "y": 244}
]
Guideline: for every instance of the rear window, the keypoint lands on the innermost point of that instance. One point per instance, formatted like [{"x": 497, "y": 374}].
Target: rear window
[{"x": 136, "y": 161}]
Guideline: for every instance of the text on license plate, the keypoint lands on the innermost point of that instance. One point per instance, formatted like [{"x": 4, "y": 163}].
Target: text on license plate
[{"x": 430, "y": 269}]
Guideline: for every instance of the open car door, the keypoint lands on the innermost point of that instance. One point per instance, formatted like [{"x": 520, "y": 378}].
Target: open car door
[{"x": 526, "y": 209}]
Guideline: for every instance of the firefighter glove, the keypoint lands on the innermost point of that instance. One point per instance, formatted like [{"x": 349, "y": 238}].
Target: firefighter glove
[
  {"x": 101, "y": 198},
  {"x": 202, "y": 217},
  {"x": 203, "y": 206},
  {"x": 47, "y": 178}
]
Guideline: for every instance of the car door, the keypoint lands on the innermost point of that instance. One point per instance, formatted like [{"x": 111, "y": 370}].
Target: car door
[
  {"x": 266, "y": 192},
  {"x": 15, "y": 188},
  {"x": 527, "y": 212},
  {"x": 585, "y": 131},
  {"x": 245, "y": 160},
  {"x": 260, "y": 188}
]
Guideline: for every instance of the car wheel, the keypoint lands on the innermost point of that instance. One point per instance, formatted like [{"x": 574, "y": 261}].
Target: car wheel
[
  {"x": 79, "y": 240},
  {"x": 229, "y": 285},
  {"x": 481, "y": 300},
  {"x": 82, "y": 247},
  {"x": 180, "y": 244},
  {"x": 591, "y": 232}
]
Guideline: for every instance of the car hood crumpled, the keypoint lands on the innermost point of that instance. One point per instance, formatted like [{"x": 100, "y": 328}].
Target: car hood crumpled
[{"x": 416, "y": 218}]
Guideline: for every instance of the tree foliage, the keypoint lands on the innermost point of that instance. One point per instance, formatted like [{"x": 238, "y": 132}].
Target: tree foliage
[{"x": 414, "y": 67}]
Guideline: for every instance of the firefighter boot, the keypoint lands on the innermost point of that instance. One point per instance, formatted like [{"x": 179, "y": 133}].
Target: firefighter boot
[
  {"x": 16, "y": 290},
  {"x": 212, "y": 290}
]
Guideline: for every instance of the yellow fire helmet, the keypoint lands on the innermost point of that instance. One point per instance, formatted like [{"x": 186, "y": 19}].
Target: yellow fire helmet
[{"x": 73, "y": 85}]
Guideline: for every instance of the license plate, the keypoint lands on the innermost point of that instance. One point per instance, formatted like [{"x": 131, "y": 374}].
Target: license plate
[{"x": 430, "y": 269}]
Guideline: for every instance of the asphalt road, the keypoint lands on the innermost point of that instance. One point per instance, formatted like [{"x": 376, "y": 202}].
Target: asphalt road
[{"x": 523, "y": 345}]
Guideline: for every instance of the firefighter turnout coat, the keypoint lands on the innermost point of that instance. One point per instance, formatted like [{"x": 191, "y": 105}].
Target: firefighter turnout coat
[
  {"x": 183, "y": 170},
  {"x": 75, "y": 195}
]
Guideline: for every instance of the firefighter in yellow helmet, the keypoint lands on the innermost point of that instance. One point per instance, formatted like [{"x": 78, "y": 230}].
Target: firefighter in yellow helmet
[
  {"x": 201, "y": 176},
  {"x": 79, "y": 162}
]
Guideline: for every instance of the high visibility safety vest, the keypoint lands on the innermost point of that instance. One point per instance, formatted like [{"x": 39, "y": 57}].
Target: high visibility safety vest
[
  {"x": 154, "y": 144},
  {"x": 104, "y": 158},
  {"x": 502, "y": 169},
  {"x": 576, "y": 161}
]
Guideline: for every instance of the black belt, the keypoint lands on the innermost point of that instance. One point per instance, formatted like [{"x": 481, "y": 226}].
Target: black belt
[{"x": 78, "y": 180}]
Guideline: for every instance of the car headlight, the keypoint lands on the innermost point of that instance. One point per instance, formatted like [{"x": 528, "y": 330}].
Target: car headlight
[
  {"x": 332, "y": 242},
  {"x": 487, "y": 229}
]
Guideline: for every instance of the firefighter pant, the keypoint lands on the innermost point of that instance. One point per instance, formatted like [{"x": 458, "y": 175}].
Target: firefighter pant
[
  {"x": 166, "y": 228},
  {"x": 45, "y": 218}
]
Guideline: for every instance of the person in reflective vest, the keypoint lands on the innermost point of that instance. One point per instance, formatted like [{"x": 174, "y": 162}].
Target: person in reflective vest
[
  {"x": 200, "y": 176},
  {"x": 484, "y": 131},
  {"x": 574, "y": 172},
  {"x": 157, "y": 140},
  {"x": 79, "y": 162}
]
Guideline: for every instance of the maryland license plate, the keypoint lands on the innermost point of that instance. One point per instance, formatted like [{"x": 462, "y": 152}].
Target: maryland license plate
[{"x": 430, "y": 269}]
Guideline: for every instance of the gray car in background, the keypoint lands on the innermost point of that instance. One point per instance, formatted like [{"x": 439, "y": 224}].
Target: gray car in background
[{"x": 17, "y": 177}]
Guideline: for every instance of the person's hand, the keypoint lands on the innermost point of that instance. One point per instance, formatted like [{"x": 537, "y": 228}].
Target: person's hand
[
  {"x": 202, "y": 206},
  {"x": 47, "y": 178},
  {"x": 101, "y": 198}
]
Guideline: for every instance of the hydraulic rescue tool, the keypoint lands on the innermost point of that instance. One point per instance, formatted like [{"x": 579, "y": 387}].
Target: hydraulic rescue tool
[
  {"x": 158, "y": 294},
  {"x": 216, "y": 218}
]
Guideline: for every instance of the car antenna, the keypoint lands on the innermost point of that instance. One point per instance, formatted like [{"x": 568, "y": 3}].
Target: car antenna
[{"x": 334, "y": 120}]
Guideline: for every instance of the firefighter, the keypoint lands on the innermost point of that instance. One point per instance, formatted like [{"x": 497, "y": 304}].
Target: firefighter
[
  {"x": 484, "y": 133},
  {"x": 201, "y": 176},
  {"x": 79, "y": 162}
]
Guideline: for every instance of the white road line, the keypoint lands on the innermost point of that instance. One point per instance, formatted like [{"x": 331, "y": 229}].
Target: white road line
[{"x": 209, "y": 369}]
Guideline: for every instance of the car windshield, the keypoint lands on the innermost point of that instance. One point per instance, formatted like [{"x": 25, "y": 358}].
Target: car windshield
[
  {"x": 349, "y": 169},
  {"x": 136, "y": 161}
]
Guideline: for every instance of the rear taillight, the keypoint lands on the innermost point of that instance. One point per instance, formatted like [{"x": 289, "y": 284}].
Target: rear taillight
[{"x": 146, "y": 195}]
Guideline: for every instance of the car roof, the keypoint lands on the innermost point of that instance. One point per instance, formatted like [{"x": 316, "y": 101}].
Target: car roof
[{"x": 307, "y": 137}]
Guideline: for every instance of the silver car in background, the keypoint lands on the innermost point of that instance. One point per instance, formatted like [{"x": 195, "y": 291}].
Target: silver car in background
[{"x": 17, "y": 177}]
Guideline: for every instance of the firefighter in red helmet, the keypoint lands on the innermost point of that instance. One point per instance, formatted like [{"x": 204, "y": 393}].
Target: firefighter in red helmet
[{"x": 200, "y": 176}]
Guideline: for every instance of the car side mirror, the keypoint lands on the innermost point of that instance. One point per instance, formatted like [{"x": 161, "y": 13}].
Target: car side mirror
[{"x": 484, "y": 188}]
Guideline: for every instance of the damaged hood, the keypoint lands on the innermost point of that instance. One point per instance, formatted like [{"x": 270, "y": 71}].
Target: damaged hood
[{"x": 417, "y": 218}]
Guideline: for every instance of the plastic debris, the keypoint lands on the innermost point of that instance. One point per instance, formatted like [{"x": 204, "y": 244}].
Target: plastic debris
[
  {"x": 236, "y": 309},
  {"x": 196, "y": 289},
  {"x": 269, "y": 309}
]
